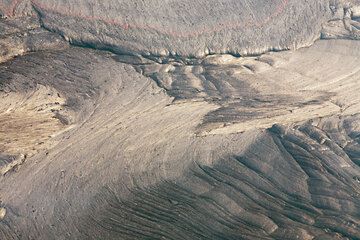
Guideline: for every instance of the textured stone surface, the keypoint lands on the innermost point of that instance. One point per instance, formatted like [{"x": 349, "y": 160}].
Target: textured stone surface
[
  {"x": 24, "y": 34},
  {"x": 95, "y": 145},
  {"x": 187, "y": 28},
  {"x": 190, "y": 28},
  {"x": 132, "y": 165},
  {"x": 193, "y": 28}
]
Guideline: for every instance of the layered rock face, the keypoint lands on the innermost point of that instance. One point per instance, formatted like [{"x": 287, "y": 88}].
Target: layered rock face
[{"x": 155, "y": 140}]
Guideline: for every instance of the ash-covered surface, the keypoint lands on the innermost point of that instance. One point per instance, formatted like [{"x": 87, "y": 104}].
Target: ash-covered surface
[{"x": 175, "y": 139}]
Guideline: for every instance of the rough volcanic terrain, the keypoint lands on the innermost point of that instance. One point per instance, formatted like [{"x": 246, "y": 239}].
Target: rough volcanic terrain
[{"x": 179, "y": 119}]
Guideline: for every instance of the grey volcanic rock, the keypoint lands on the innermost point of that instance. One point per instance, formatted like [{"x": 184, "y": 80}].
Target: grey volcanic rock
[
  {"x": 192, "y": 28},
  {"x": 24, "y": 34},
  {"x": 138, "y": 163},
  {"x": 157, "y": 144},
  {"x": 186, "y": 28}
]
